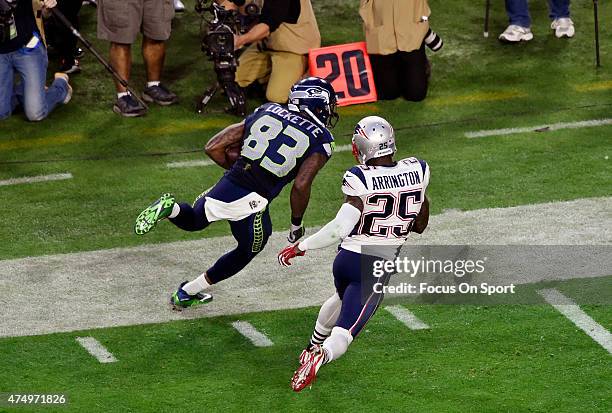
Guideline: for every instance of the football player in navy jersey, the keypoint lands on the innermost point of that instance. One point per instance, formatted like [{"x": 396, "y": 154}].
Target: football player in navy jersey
[
  {"x": 279, "y": 144},
  {"x": 385, "y": 202}
]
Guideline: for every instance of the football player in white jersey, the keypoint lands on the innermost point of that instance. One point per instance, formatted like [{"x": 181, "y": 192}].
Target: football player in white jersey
[{"x": 385, "y": 201}]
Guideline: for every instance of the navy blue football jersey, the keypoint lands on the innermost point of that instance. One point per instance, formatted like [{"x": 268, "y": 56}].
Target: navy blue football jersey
[{"x": 276, "y": 143}]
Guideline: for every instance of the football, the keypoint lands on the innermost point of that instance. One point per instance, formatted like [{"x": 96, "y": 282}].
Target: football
[{"x": 232, "y": 152}]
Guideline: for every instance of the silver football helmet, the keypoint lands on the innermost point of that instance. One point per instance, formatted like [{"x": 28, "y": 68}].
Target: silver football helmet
[{"x": 373, "y": 137}]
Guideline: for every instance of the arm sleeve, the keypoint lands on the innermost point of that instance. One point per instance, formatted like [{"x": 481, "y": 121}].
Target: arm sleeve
[{"x": 337, "y": 229}]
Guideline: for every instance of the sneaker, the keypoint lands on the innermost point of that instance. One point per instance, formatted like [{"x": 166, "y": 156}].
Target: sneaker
[
  {"x": 65, "y": 78},
  {"x": 179, "y": 7},
  {"x": 563, "y": 27},
  {"x": 70, "y": 66},
  {"x": 307, "y": 372},
  {"x": 180, "y": 299},
  {"x": 515, "y": 34},
  {"x": 79, "y": 53},
  {"x": 157, "y": 211},
  {"x": 159, "y": 94},
  {"x": 129, "y": 107}
]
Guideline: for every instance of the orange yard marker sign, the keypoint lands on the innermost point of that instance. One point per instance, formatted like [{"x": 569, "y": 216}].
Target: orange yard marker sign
[{"x": 347, "y": 67}]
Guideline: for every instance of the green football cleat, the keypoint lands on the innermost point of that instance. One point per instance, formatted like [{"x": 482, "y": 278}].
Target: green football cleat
[
  {"x": 180, "y": 299},
  {"x": 157, "y": 211}
]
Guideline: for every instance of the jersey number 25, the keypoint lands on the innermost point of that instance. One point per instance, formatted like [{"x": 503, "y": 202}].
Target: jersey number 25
[{"x": 373, "y": 223}]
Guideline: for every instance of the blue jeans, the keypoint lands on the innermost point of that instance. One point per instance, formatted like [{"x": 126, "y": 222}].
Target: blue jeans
[
  {"x": 30, "y": 93},
  {"x": 518, "y": 11}
]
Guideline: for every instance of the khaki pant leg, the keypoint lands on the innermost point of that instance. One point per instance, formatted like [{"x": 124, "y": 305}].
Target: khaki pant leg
[
  {"x": 287, "y": 68},
  {"x": 253, "y": 65}
]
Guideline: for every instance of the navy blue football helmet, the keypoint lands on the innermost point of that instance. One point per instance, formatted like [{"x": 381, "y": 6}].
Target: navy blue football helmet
[{"x": 316, "y": 98}]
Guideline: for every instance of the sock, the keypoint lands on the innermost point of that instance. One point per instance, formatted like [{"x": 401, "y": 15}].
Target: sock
[
  {"x": 197, "y": 285},
  {"x": 176, "y": 209},
  {"x": 336, "y": 344},
  {"x": 328, "y": 315},
  {"x": 122, "y": 94},
  {"x": 151, "y": 84}
]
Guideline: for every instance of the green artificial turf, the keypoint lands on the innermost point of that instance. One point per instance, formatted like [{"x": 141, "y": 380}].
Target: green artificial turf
[
  {"x": 119, "y": 165},
  {"x": 474, "y": 358}
]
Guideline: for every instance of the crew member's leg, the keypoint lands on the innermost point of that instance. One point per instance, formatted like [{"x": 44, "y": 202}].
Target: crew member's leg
[
  {"x": 519, "y": 28},
  {"x": 287, "y": 68},
  {"x": 7, "y": 99},
  {"x": 413, "y": 67},
  {"x": 253, "y": 66},
  {"x": 38, "y": 101},
  {"x": 560, "y": 16},
  {"x": 156, "y": 27},
  {"x": 67, "y": 42},
  {"x": 518, "y": 13},
  {"x": 119, "y": 22},
  {"x": 386, "y": 76}
]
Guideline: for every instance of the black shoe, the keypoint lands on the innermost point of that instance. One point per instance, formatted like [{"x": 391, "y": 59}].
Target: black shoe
[
  {"x": 70, "y": 67},
  {"x": 79, "y": 53},
  {"x": 129, "y": 107},
  {"x": 160, "y": 95}
]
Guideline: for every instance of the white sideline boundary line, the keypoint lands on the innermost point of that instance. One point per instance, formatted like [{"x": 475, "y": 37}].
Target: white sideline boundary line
[
  {"x": 551, "y": 127},
  {"x": 189, "y": 164},
  {"x": 96, "y": 349},
  {"x": 207, "y": 162},
  {"x": 38, "y": 178},
  {"x": 582, "y": 320},
  {"x": 406, "y": 317},
  {"x": 258, "y": 338}
]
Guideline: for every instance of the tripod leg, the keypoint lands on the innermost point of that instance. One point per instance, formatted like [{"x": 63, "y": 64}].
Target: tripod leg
[
  {"x": 486, "y": 20},
  {"x": 206, "y": 97},
  {"x": 596, "y": 17},
  {"x": 236, "y": 97}
]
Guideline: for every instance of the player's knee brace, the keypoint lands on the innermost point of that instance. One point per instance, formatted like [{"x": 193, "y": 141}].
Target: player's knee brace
[{"x": 337, "y": 343}]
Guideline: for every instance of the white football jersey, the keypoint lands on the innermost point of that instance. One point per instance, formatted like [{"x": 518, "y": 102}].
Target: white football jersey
[{"x": 392, "y": 197}]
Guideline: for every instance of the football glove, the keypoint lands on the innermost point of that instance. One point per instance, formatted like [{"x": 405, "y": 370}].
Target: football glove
[
  {"x": 295, "y": 233},
  {"x": 288, "y": 253}
]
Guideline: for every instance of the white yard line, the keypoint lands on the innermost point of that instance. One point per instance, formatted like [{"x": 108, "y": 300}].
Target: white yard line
[
  {"x": 258, "y": 338},
  {"x": 540, "y": 128},
  {"x": 33, "y": 179},
  {"x": 343, "y": 148},
  {"x": 132, "y": 285},
  {"x": 582, "y": 320},
  {"x": 189, "y": 164},
  {"x": 407, "y": 317},
  {"x": 96, "y": 349},
  {"x": 207, "y": 162}
]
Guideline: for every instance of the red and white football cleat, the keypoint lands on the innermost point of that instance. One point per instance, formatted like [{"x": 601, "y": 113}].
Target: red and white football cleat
[
  {"x": 304, "y": 356},
  {"x": 307, "y": 372}
]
